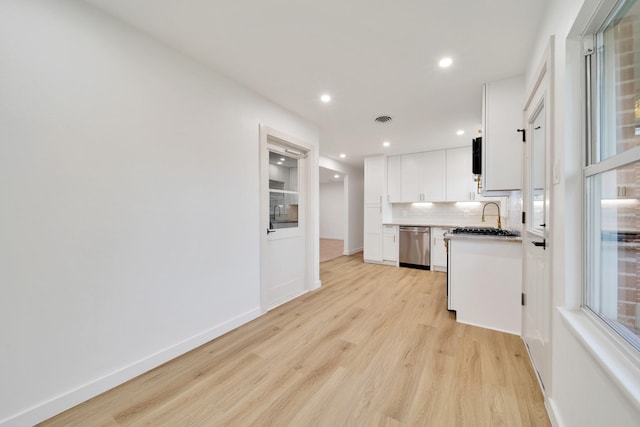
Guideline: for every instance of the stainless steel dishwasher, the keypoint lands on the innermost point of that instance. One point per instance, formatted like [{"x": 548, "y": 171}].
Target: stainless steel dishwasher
[{"x": 415, "y": 247}]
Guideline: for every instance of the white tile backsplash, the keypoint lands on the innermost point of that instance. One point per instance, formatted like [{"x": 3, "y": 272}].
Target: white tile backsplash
[{"x": 461, "y": 213}]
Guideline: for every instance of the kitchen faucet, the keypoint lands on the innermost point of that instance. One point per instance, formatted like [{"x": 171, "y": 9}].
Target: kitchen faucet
[
  {"x": 497, "y": 206},
  {"x": 274, "y": 211}
]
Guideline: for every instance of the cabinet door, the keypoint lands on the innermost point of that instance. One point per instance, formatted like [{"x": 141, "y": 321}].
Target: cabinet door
[
  {"x": 438, "y": 249},
  {"x": 412, "y": 189},
  {"x": 433, "y": 165},
  {"x": 459, "y": 177},
  {"x": 389, "y": 243},
  {"x": 372, "y": 247},
  {"x": 501, "y": 143},
  {"x": 394, "y": 179},
  {"x": 374, "y": 179}
]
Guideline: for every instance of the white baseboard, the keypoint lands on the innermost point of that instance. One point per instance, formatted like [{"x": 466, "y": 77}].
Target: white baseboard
[
  {"x": 352, "y": 251},
  {"x": 552, "y": 411},
  {"x": 332, "y": 237},
  {"x": 317, "y": 284},
  {"x": 83, "y": 393}
]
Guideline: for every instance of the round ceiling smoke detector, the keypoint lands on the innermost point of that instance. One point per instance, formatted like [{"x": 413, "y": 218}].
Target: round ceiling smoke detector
[{"x": 383, "y": 119}]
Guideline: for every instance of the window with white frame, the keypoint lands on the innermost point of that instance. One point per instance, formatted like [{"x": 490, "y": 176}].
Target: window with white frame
[{"x": 612, "y": 172}]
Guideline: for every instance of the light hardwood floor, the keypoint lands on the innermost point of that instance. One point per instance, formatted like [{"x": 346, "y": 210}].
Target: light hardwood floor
[
  {"x": 374, "y": 346},
  {"x": 330, "y": 249}
]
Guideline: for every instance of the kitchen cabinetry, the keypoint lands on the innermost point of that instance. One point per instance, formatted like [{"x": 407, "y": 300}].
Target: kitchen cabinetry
[
  {"x": 438, "y": 249},
  {"x": 485, "y": 282},
  {"x": 394, "y": 179},
  {"x": 502, "y": 115},
  {"x": 423, "y": 176},
  {"x": 459, "y": 181},
  {"x": 375, "y": 208},
  {"x": 372, "y": 245},
  {"x": 390, "y": 243},
  {"x": 374, "y": 179}
]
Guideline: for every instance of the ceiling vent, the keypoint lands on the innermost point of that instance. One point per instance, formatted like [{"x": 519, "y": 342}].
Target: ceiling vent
[{"x": 383, "y": 119}]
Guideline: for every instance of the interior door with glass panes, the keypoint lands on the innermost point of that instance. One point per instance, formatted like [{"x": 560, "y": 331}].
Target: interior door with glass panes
[{"x": 284, "y": 222}]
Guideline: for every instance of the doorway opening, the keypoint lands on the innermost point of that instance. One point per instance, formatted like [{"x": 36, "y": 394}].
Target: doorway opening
[{"x": 332, "y": 213}]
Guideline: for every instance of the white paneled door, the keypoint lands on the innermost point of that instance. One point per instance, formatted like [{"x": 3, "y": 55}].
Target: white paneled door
[
  {"x": 284, "y": 221},
  {"x": 536, "y": 313}
]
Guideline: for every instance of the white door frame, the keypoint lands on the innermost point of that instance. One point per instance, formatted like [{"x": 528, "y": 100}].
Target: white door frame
[
  {"x": 541, "y": 92},
  {"x": 310, "y": 208}
]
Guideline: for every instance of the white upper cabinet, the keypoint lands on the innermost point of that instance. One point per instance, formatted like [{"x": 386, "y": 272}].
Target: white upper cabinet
[
  {"x": 374, "y": 179},
  {"x": 434, "y": 163},
  {"x": 412, "y": 178},
  {"x": 394, "y": 179},
  {"x": 502, "y": 115},
  {"x": 423, "y": 176},
  {"x": 459, "y": 181}
]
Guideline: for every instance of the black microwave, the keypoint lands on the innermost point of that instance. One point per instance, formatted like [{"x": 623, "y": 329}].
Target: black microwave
[{"x": 477, "y": 156}]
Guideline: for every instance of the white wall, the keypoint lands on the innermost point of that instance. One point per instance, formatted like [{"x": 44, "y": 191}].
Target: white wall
[
  {"x": 582, "y": 391},
  {"x": 129, "y": 181},
  {"x": 354, "y": 202},
  {"x": 332, "y": 214}
]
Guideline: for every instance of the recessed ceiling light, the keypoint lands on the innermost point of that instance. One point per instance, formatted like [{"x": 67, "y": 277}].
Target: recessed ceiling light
[
  {"x": 325, "y": 98},
  {"x": 342, "y": 156},
  {"x": 278, "y": 163},
  {"x": 386, "y": 143},
  {"x": 460, "y": 132},
  {"x": 282, "y": 159},
  {"x": 445, "y": 62},
  {"x": 336, "y": 176}
]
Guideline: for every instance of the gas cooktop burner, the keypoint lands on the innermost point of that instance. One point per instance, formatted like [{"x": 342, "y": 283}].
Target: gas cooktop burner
[{"x": 485, "y": 231}]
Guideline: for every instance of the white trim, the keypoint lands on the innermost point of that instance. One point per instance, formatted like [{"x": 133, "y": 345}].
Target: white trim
[
  {"x": 85, "y": 392},
  {"x": 625, "y": 158},
  {"x": 599, "y": 15},
  {"x": 273, "y": 190},
  {"x": 352, "y": 251},
  {"x": 332, "y": 237},
  {"x": 554, "y": 412},
  {"x": 621, "y": 367},
  {"x": 540, "y": 93}
]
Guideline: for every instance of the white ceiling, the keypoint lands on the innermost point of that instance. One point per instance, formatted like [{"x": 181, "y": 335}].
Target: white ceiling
[{"x": 374, "y": 57}]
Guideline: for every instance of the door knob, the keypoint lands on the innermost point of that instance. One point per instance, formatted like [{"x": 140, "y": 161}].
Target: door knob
[{"x": 269, "y": 231}]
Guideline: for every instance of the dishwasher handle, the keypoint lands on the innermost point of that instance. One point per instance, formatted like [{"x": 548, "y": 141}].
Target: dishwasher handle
[{"x": 416, "y": 230}]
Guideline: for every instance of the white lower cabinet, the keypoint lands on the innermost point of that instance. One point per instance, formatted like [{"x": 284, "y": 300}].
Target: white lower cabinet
[
  {"x": 485, "y": 283},
  {"x": 438, "y": 249},
  {"x": 390, "y": 243},
  {"x": 372, "y": 247}
]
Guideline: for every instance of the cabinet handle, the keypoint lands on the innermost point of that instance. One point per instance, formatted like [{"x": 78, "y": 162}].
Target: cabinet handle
[{"x": 543, "y": 244}]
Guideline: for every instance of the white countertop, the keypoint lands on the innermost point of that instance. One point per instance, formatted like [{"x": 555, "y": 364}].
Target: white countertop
[{"x": 414, "y": 223}]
